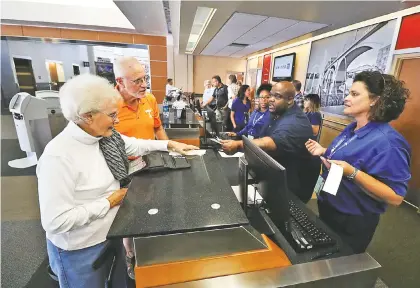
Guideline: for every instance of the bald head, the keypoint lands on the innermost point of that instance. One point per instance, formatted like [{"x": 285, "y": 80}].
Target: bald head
[
  {"x": 285, "y": 89},
  {"x": 282, "y": 98},
  {"x": 128, "y": 67}
]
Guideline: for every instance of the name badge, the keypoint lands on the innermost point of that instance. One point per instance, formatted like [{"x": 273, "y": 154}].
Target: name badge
[
  {"x": 319, "y": 185},
  {"x": 250, "y": 137}
]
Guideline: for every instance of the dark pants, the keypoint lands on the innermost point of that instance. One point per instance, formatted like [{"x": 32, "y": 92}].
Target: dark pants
[{"x": 356, "y": 231}]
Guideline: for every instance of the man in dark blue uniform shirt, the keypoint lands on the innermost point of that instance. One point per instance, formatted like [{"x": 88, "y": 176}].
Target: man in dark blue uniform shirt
[{"x": 284, "y": 137}]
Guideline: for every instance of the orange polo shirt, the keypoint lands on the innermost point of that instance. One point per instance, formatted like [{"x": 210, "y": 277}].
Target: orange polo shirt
[{"x": 140, "y": 123}]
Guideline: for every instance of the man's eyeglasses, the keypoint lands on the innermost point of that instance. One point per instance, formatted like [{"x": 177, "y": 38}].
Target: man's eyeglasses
[{"x": 140, "y": 81}]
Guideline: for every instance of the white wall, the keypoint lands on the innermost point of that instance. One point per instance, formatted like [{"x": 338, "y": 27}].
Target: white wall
[
  {"x": 39, "y": 53},
  {"x": 80, "y": 12},
  {"x": 113, "y": 53}
]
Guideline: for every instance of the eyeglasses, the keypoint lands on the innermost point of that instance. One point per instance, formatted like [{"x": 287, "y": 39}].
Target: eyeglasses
[
  {"x": 264, "y": 98},
  {"x": 140, "y": 81},
  {"x": 112, "y": 115}
]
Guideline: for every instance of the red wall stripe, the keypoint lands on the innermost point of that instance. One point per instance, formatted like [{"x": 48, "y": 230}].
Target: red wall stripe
[{"x": 409, "y": 35}]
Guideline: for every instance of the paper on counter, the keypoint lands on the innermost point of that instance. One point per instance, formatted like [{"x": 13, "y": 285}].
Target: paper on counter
[
  {"x": 189, "y": 153},
  {"x": 333, "y": 179},
  {"x": 236, "y": 155},
  {"x": 251, "y": 194}
]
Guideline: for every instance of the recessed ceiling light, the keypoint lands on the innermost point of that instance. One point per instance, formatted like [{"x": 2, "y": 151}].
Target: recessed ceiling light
[{"x": 202, "y": 18}]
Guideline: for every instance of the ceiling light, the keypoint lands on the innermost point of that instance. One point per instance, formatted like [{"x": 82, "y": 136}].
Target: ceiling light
[{"x": 202, "y": 18}]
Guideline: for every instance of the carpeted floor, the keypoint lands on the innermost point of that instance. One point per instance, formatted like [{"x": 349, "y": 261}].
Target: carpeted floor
[{"x": 396, "y": 246}]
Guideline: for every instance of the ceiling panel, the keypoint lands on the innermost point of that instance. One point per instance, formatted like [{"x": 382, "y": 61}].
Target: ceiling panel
[
  {"x": 236, "y": 26},
  {"x": 265, "y": 29},
  {"x": 229, "y": 50},
  {"x": 296, "y": 30}
]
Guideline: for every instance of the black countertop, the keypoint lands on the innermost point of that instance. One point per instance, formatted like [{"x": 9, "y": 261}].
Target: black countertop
[{"x": 183, "y": 199}]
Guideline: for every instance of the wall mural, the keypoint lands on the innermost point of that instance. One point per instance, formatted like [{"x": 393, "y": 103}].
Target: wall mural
[{"x": 334, "y": 61}]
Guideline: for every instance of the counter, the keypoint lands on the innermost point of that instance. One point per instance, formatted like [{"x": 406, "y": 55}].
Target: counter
[
  {"x": 333, "y": 123},
  {"x": 190, "y": 240}
]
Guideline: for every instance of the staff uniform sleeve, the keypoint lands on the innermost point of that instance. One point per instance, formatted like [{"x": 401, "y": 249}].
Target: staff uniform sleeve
[
  {"x": 391, "y": 167},
  {"x": 56, "y": 186}
]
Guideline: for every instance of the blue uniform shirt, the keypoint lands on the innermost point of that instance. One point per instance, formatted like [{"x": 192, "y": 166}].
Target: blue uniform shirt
[
  {"x": 376, "y": 149},
  {"x": 240, "y": 110},
  {"x": 290, "y": 133},
  {"x": 255, "y": 123}
]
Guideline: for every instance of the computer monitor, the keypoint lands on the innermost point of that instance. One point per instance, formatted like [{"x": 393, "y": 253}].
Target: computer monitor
[{"x": 271, "y": 181}]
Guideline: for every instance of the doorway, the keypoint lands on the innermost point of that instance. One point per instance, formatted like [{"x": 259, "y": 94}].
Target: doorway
[
  {"x": 408, "y": 124},
  {"x": 56, "y": 74},
  {"x": 25, "y": 75},
  {"x": 76, "y": 70}
]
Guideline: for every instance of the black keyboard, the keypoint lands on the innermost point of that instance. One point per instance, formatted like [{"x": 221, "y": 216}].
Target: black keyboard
[{"x": 306, "y": 235}]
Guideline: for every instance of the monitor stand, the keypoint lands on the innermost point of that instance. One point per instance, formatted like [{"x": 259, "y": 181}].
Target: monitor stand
[{"x": 253, "y": 212}]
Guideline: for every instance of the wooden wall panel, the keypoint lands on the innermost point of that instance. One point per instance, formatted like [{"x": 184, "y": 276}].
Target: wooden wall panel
[
  {"x": 30, "y": 31},
  {"x": 159, "y": 95},
  {"x": 11, "y": 30},
  {"x": 149, "y": 40},
  {"x": 79, "y": 34},
  {"x": 260, "y": 62},
  {"x": 159, "y": 83},
  {"x": 158, "y": 68},
  {"x": 158, "y": 53},
  {"x": 115, "y": 37}
]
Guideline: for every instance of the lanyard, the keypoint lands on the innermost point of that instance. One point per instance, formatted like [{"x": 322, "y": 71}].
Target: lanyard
[{"x": 341, "y": 144}]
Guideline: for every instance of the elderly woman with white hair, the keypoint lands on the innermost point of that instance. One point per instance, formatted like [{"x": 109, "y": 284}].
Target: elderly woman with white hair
[{"x": 82, "y": 176}]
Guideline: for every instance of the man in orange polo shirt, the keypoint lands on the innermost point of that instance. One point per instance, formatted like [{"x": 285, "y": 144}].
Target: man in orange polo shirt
[
  {"x": 138, "y": 116},
  {"x": 138, "y": 112}
]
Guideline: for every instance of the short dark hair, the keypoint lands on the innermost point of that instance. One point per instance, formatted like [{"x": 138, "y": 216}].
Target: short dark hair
[
  {"x": 169, "y": 80},
  {"x": 391, "y": 91},
  {"x": 297, "y": 84},
  {"x": 217, "y": 77},
  {"x": 232, "y": 78},
  {"x": 264, "y": 87}
]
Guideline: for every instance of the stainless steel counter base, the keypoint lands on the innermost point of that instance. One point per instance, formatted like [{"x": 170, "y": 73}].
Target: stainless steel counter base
[
  {"x": 196, "y": 245},
  {"x": 355, "y": 271}
]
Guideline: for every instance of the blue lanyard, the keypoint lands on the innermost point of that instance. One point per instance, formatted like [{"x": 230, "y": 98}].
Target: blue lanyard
[
  {"x": 341, "y": 144},
  {"x": 255, "y": 121}
]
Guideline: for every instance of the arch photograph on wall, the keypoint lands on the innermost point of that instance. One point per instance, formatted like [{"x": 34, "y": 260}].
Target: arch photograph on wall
[{"x": 334, "y": 61}]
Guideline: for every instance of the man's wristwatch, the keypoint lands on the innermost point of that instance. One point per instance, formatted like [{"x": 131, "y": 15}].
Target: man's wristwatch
[{"x": 353, "y": 175}]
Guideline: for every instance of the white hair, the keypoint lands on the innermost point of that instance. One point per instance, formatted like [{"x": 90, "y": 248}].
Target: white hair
[
  {"x": 86, "y": 93},
  {"x": 206, "y": 81},
  {"x": 126, "y": 64}
]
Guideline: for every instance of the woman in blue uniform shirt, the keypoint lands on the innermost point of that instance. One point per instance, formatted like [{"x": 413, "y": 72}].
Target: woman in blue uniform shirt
[
  {"x": 260, "y": 116},
  {"x": 375, "y": 159}
]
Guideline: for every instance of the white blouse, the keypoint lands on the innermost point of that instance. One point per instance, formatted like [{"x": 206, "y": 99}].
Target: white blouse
[{"x": 74, "y": 182}]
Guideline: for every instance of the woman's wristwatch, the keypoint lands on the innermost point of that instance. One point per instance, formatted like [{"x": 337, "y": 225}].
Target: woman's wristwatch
[{"x": 353, "y": 175}]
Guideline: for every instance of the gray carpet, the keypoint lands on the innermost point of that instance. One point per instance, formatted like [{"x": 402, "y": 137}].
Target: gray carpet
[
  {"x": 396, "y": 247},
  {"x": 10, "y": 150},
  {"x": 23, "y": 250}
]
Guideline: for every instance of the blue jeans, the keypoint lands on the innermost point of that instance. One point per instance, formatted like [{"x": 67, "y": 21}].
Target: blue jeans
[{"x": 74, "y": 268}]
